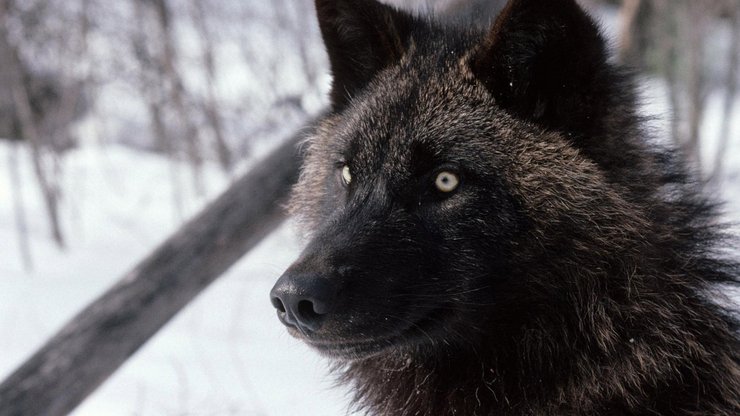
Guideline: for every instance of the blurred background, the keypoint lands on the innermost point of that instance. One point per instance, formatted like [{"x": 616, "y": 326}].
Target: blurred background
[{"x": 120, "y": 120}]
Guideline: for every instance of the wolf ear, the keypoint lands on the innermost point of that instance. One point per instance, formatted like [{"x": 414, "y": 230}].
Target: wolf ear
[
  {"x": 545, "y": 61},
  {"x": 361, "y": 37}
]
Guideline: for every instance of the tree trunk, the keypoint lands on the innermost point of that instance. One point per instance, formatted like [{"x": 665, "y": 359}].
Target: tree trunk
[
  {"x": 160, "y": 132},
  {"x": 730, "y": 96},
  {"x": 667, "y": 36},
  {"x": 212, "y": 110},
  {"x": 150, "y": 83},
  {"x": 697, "y": 27},
  {"x": 19, "y": 209},
  {"x": 177, "y": 93},
  {"x": 22, "y": 105},
  {"x": 628, "y": 30}
]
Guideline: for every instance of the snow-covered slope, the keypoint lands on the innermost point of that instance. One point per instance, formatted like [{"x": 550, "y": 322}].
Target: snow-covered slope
[{"x": 225, "y": 354}]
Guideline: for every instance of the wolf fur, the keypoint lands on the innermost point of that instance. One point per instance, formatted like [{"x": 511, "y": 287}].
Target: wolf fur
[{"x": 574, "y": 271}]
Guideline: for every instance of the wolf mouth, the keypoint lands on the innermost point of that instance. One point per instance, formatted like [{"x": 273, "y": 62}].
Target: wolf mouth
[
  {"x": 358, "y": 349},
  {"x": 354, "y": 350}
]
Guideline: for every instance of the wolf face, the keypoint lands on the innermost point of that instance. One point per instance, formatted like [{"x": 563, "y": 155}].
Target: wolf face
[
  {"x": 488, "y": 231},
  {"x": 396, "y": 258},
  {"x": 415, "y": 221}
]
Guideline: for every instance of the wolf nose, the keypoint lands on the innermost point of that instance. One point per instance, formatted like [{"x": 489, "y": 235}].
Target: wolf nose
[{"x": 302, "y": 301}]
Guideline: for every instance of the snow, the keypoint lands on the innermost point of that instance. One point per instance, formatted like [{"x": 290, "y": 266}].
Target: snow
[{"x": 226, "y": 353}]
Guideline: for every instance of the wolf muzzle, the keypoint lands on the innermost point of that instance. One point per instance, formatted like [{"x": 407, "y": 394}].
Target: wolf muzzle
[{"x": 302, "y": 300}]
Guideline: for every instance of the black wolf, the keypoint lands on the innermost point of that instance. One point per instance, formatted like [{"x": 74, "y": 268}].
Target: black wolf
[{"x": 490, "y": 233}]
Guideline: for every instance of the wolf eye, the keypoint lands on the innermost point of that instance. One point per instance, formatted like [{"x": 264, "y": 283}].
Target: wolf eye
[
  {"x": 446, "y": 181},
  {"x": 346, "y": 175}
]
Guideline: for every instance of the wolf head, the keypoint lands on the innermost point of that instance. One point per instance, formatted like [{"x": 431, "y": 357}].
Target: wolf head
[{"x": 456, "y": 167}]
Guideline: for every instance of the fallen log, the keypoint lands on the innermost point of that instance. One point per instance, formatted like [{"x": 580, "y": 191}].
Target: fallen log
[{"x": 92, "y": 346}]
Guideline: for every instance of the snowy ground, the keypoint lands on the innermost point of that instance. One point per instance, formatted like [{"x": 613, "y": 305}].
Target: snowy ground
[{"x": 225, "y": 354}]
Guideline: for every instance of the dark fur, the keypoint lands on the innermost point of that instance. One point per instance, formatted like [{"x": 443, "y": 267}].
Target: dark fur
[{"x": 572, "y": 272}]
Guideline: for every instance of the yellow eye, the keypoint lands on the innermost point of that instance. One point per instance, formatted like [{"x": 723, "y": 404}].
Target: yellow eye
[
  {"x": 346, "y": 175},
  {"x": 446, "y": 181}
]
